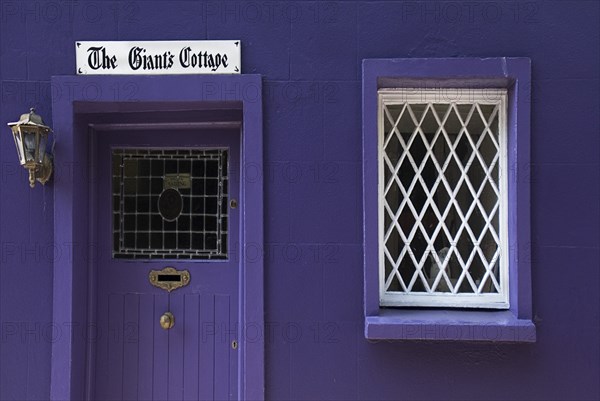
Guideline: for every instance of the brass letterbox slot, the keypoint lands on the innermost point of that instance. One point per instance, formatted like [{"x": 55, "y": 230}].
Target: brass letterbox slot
[{"x": 169, "y": 278}]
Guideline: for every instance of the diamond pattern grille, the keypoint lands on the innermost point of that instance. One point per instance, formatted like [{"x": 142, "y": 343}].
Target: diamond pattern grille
[{"x": 441, "y": 198}]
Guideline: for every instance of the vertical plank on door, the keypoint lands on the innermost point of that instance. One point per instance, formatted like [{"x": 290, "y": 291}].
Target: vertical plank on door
[
  {"x": 131, "y": 331},
  {"x": 147, "y": 321},
  {"x": 115, "y": 347},
  {"x": 190, "y": 356},
  {"x": 100, "y": 336},
  {"x": 206, "y": 353},
  {"x": 161, "y": 350},
  {"x": 176, "y": 351},
  {"x": 225, "y": 335}
]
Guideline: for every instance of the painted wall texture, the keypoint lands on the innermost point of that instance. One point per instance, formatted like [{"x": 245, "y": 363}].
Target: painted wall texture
[{"x": 310, "y": 57}]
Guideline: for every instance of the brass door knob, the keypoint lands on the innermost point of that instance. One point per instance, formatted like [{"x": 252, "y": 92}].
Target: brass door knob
[{"x": 167, "y": 320}]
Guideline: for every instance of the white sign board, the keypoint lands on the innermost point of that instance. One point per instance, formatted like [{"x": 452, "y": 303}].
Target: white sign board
[{"x": 161, "y": 57}]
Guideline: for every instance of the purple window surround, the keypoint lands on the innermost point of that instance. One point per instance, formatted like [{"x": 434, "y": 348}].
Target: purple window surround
[
  {"x": 514, "y": 324},
  {"x": 74, "y": 100}
]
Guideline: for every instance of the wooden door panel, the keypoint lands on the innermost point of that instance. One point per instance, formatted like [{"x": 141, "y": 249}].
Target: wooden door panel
[
  {"x": 148, "y": 315},
  {"x": 131, "y": 345}
]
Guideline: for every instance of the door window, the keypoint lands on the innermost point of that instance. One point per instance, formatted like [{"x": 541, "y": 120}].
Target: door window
[{"x": 170, "y": 203}]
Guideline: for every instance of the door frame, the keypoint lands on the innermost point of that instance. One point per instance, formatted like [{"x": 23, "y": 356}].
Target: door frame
[{"x": 77, "y": 102}]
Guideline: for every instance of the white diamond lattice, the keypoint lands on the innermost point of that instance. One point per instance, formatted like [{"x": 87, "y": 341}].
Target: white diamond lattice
[{"x": 441, "y": 198}]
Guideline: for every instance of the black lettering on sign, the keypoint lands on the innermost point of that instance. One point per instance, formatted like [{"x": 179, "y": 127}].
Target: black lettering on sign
[
  {"x": 202, "y": 59},
  {"x": 139, "y": 59},
  {"x": 98, "y": 58}
]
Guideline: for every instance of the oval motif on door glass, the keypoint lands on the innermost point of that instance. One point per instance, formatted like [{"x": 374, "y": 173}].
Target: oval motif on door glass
[{"x": 170, "y": 204}]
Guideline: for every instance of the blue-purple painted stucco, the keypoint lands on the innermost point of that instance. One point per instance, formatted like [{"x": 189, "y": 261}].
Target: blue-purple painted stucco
[{"x": 309, "y": 56}]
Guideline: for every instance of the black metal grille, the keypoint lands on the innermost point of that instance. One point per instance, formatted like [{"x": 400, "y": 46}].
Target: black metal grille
[{"x": 170, "y": 203}]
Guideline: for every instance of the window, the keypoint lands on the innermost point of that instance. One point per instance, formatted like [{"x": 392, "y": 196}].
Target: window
[
  {"x": 442, "y": 193},
  {"x": 170, "y": 203},
  {"x": 446, "y": 199}
]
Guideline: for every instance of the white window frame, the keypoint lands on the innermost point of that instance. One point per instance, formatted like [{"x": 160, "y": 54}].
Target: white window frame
[{"x": 493, "y": 96}]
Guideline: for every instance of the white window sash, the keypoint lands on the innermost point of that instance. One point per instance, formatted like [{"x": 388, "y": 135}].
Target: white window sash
[{"x": 404, "y": 297}]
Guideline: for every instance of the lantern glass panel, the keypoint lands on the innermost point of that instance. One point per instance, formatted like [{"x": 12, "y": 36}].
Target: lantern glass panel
[
  {"x": 29, "y": 140},
  {"x": 18, "y": 144},
  {"x": 42, "y": 147}
]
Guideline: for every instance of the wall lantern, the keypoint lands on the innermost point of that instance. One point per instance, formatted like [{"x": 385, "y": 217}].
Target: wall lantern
[{"x": 31, "y": 136}]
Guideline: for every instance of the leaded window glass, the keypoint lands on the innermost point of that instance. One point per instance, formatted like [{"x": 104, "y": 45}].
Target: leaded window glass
[{"x": 170, "y": 203}]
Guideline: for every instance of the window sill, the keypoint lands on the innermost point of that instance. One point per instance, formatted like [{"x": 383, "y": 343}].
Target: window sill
[{"x": 449, "y": 325}]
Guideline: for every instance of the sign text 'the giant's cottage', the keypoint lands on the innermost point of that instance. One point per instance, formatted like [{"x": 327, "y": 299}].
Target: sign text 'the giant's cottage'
[{"x": 161, "y": 57}]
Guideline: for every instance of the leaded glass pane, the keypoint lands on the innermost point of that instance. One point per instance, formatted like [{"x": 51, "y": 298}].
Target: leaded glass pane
[{"x": 170, "y": 203}]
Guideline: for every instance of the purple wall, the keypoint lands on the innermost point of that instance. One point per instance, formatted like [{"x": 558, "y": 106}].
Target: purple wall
[{"x": 310, "y": 56}]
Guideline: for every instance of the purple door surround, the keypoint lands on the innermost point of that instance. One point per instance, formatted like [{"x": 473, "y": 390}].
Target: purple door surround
[
  {"x": 171, "y": 99},
  {"x": 515, "y": 324}
]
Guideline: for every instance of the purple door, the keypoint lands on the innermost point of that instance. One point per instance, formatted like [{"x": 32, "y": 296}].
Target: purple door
[{"x": 166, "y": 199}]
